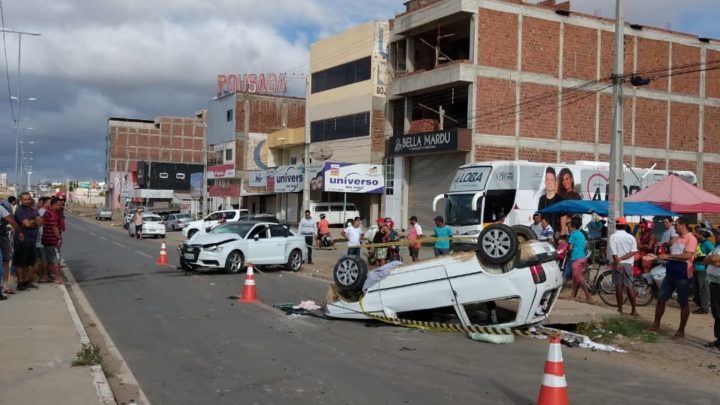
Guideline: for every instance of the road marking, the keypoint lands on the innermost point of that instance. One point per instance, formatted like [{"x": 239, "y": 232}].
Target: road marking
[
  {"x": 103, "y": 238},
  {"x": 143, "y": 254},
  {"x": 120, "y": 244},
  {"x": 93, "y": 234}
]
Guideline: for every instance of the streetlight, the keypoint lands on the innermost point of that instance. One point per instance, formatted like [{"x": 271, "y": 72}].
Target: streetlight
[{"x": 18, "y": 98}]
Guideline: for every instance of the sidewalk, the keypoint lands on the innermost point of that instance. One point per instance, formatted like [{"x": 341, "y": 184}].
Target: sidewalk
[{"x": 39, "y": 342}]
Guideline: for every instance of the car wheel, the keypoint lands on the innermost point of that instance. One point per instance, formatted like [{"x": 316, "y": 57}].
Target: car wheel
[
  {"x": 191, "y": 233},
  {"x": 524, "y": 233},
  {"x": 234, "y": 262},
  {"x": 497, "y": 244},
  {"x": 350, "y": 273},
  {"x": 294, "y": 262}
]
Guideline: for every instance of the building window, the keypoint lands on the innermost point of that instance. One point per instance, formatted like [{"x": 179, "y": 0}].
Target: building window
[
  {"x": 229, "y": 115},
  {"x": 228, "y": 154},
  {"x": 293, "y": 160},
  {"x": 342, "y": 75},
  {"x": 347, "y": 126},
  {"x": 389, "y": 176}
]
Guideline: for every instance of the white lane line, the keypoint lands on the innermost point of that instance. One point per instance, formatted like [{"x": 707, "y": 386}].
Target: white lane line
[
  {"x": 143, "y": 254},
  {"x": 119, "y": 244},
  {"x": 103, "y": 238},
  {"x": 93, "y": 234}
]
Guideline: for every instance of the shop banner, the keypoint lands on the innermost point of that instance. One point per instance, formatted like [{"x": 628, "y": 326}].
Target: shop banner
[
  {"x": 258, "y": 178},
  {"x": 221, "y": 171},
  {"x": 288, "y": 179},
  {"x": 224, "y": 191},
  {"x": 354, "y": 178}
]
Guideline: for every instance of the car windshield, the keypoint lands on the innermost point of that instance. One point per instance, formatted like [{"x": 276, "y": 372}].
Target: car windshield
[
  {"x": 237, "y": 228},
  {"x": 152, "y": 218},
  {"x": 458, "y": 211}
]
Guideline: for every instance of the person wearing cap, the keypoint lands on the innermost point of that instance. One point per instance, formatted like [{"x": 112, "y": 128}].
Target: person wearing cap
[
  {"x": 138, "y": 221},
  {"x": 414, "y": 234},
  {"x": 679, "y": 271},
  {"x": 702, "y": 289},
  {"x": 623, "y": 247},
  {"x": 444, "y": 235}
]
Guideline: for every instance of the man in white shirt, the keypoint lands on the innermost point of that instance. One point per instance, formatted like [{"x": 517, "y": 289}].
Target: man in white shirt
[
  {"x": 669, "y": 231},
  {"x": 536, "y": 226},
  {"x": 623, "y": 247},
  {"x": 353, "y": 234},
  {"x": 307, "y": 227}
]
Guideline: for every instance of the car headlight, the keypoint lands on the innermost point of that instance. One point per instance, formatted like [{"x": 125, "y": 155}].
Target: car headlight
[{"x": 213, "y": 248}]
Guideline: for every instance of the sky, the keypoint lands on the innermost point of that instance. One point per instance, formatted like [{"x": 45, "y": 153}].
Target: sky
[{"x": 147, "y": 58}]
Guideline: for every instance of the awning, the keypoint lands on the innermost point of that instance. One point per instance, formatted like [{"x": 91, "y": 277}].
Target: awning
[{"x": 601, "y": 208}]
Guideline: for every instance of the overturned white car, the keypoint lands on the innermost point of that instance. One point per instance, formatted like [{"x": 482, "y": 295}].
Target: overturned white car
[{"x": 510, "y": 281}]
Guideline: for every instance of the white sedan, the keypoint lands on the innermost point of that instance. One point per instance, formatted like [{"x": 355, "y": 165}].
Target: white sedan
[
  {"x": 231, "y": 246},
  {"x": 521, "y": 279},
  {"x": 153, "y": 226}
]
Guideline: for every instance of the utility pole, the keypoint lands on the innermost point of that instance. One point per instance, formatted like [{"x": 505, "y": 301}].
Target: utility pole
[
  {"x": 615, "y": 191},
  {"x": 306, "y": 151}
]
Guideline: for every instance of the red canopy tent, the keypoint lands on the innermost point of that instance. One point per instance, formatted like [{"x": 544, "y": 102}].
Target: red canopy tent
[{"x": 677, "y": 195}]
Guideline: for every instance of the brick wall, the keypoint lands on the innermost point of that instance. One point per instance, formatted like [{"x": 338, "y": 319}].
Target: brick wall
[
  {"x": 650, "y": 123},
  {"x": 570, "y": 157},
  {"x": 269, "y": 114},
  {"x": 580, "y": 52},
  {"x": 377, "y": 134},
  {"x": 684, "y": 127},
  {"x": 485, "y": 153},
  {"x": 497, "y": 39},
  {"x": 711, "y": 183},
  {"x": 537, "y": 155},
  {"x": 653, "y": 55},
  {"x": 712, "y": 129},
  {"x": 538, "y": 120},
  {"x": 578, "y": 117},
  {"x": 687, "y": 83},
  {"x": 495, "y": 106},
  {"x": 607, "y": 60},
  {"x": 541, "y": 40},
  {"x": 712, "y": 77}
]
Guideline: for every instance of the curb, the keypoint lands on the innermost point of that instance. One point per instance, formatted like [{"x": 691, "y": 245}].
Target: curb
[{"x": 124, "y": 373}]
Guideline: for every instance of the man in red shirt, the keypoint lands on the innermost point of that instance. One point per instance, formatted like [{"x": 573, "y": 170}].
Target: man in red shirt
[
  {"x": 679, "y": 271},
  {"x": 52, "y": 237}
]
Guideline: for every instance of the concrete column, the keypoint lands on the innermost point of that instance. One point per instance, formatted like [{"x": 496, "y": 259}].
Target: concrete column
[
  {"x": 409, "y": 55},
  {"x": 408, "y": 115}
]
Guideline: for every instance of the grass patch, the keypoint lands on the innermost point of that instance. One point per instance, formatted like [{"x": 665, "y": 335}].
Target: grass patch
[
  {"x": 88, "y": 355},
  {"x": 615, "y": 328}
]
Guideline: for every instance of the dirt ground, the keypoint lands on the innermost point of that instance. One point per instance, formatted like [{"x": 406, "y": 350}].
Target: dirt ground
[{"x": 687, "y": 358}]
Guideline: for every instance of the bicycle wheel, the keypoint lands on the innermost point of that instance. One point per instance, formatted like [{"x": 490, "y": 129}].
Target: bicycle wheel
[
  {"x": 606, "y": 288},
  {"x": 644, "y": 292}
]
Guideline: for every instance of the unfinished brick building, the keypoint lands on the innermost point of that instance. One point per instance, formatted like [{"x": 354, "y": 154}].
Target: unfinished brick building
[{"x": 532, "y": 81}]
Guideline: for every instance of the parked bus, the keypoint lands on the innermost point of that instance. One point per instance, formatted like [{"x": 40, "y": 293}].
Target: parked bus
[{"x": 480, "y": 192}]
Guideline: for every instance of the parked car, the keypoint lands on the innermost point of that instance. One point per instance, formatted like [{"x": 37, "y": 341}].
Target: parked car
[
  {"x": 521, "y": 278},
  {"x": 153, "y": 226},
  {"x": 210, "y": 221},
  {"x": 260, "y": 217},
  {"x": 174, "y": 222},
  {"x": 334, "y": 212},
  {"x": 103, "y": 213},
  {"x": 232, "y": 245}
]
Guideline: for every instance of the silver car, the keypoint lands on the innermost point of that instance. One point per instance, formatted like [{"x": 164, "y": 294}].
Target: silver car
[
  {"x": 175, "y": 222},
  {"x": 103, "y": 213}
]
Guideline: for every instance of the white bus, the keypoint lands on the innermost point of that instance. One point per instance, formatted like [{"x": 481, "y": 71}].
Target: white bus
[{"x": 518, "y": 188}]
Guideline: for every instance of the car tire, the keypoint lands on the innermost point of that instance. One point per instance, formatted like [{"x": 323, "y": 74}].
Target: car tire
[
  {"x": 234, "y": 262},
  {"x": 294, "y": 262},
  {"x": 350, "y": 273},
  {"x": 524, "y": 233},
  {"x": 497, "y": 244}
]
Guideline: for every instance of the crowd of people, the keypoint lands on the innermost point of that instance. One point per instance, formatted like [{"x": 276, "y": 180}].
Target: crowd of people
[{"x": 31, "y": 241}]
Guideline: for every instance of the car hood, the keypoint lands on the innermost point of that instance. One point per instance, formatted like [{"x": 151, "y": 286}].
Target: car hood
[{"x": 211, "y": 238}]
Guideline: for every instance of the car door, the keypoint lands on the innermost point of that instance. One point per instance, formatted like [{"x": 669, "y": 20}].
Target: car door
[
  {"x": 260, "y": 245},
  {"x": 279, "y": 235}
]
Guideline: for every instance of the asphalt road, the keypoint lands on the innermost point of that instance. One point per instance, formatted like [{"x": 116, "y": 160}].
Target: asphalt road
[{"x": 187, "y": 343}]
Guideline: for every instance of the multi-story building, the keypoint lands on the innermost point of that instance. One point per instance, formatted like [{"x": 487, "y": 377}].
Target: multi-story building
[
  {"x": 346, "y": 104},
  {"x": 135, "y": 146},
  {"x": 238, "y": 129},
  {"x": 504, "y": 79}
]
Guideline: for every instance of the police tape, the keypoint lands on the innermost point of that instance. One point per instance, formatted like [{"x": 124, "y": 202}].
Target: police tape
[
  {"x": 443, "y": 326},
  {"x": 403, "y": 242}
]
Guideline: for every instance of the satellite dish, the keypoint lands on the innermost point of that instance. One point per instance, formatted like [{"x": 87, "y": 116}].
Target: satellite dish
[{"x": 321, "y": 153}]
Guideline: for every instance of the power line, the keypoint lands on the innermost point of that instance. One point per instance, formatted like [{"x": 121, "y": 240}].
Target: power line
[{"x": 7, "y": 69}]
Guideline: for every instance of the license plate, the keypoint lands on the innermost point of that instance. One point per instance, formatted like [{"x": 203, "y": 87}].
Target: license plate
[{"x": 189, "y": 256}]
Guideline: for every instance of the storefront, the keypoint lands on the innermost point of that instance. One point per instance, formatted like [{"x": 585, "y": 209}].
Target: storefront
[
  {"x": 360, "y": 184},
  {"x": 428, "y": 164}
]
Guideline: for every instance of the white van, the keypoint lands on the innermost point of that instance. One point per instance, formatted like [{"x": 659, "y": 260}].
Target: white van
[{"x": 334, "y": 212}]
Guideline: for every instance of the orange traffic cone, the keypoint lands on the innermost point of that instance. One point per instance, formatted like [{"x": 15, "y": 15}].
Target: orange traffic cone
[
  {"x": 162, "y": 259},
  {"x": 248, "y": 293},
  {"x": 553, "y": 390}
]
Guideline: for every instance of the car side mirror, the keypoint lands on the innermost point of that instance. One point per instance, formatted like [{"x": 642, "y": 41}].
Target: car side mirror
[{"x": 256, "y": 237}]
